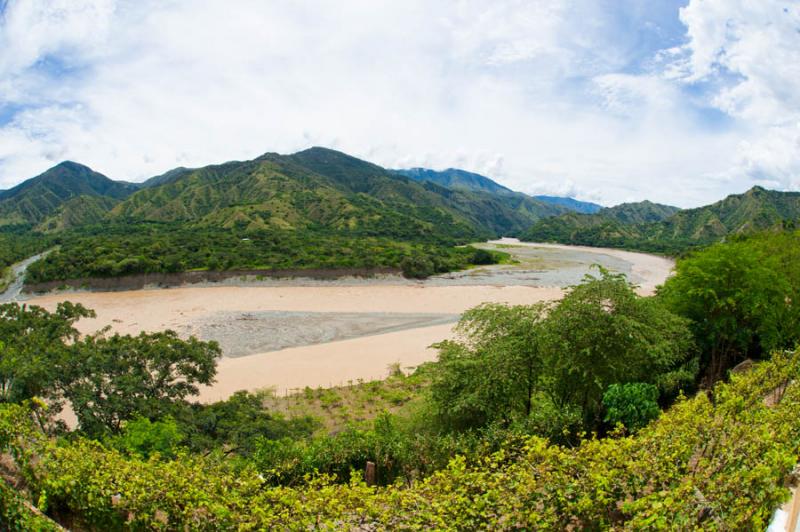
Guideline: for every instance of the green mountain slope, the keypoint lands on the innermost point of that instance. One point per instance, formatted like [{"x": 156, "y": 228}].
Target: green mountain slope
[
  {"x": 755, "y": 210},
  {"x": 40, "y": 197},
  {"x": 533, "y": 206},
  {"x": 167, "y": 177},
  {"x": 585, "y": 207},
  {"x": 639, "y": 212},
  {"x": 494, "y": 213},
  {"x": 77, "y": 212},
  {"x": 456, "y": 179},
  {"x": 274, "y": 192},
  {"x": 324, "y": 189},
  {"x": 651, "y": 227}
]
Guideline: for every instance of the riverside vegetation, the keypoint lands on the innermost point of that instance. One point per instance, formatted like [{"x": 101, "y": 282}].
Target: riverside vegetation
[{"x": 603, "y": 410}]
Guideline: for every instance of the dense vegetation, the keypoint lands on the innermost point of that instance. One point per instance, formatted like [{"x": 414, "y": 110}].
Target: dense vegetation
[
  {"x": 650, "y": 227},
  {"x": 566, "y": 415},
  {"x": 741, "y": 297},
  {"x": 110, "y": 251},
  {"x": 702, "y": 465},
  {"x": 556, "y": 361}
]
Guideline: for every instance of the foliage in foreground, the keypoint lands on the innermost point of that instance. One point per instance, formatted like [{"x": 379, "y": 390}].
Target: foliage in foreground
[
  {"x": 742, "y": 297},
  {"x": 511, "y": 363},
  {"x": 716, "y": 461}
]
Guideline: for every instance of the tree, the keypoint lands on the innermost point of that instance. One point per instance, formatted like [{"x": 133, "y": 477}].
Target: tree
[
  {"x": 146, "y": 438},
  {"x": 237, "y": 423},
  {"x": 510, "y": 362},
  {"x": 739, "y": 302},
  {"x": 603, "y": 333},
  {"x": 417, "y": 267},
  {"x": 491, "y": 373},
  {"x": 114, "y": 379},
  {"x": 34, "y": 348}
]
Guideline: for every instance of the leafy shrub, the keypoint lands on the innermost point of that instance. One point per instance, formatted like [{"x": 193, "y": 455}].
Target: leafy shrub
[
  {"x": 633, "y": 404},
  {"x": 145, "y": 438},
  {"x": 417, "y": 267},
  {"x": 482, "y": 257},
  {"x": 702, "y": 465}
]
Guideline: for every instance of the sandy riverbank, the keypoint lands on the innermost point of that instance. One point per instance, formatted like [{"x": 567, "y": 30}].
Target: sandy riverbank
[
  {"x": 336, "y": 362},
  {"x": 286, "y": 337}
]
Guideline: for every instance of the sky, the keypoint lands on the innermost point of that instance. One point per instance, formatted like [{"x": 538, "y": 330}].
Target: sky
[{"x": 677, "y": 101}]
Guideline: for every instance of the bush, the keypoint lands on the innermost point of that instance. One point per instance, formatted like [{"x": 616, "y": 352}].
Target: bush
[
  {"x": 702, "y": 465},
  {"x": 145, "y": 438},
  {"x": 633, "y": 404},
  {"x": 417, "y": 267}
]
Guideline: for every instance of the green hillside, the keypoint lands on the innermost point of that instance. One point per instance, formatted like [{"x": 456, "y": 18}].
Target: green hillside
[
  {"x": 321, "y": 188},
  {"x": 639, "y": 212},
  {"x": 315, "y": 209},
  {"x": 38, "y": 198},
  {"x": 660, "y": 228},
  {"x": 456, "y": 179},
  {"x": 78, "y": 212}
]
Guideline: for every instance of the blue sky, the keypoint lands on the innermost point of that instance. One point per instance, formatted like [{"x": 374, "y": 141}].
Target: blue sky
[{"x": 681, "y": 102}]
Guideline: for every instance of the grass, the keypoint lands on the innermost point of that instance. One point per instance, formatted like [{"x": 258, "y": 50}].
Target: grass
[{"x": 357, "y": 403}]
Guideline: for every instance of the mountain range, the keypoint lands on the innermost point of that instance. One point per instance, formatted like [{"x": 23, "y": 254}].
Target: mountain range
[
  {"x": 662, "y": 228},
  {"x": 319, "y": 190},
  {"x": 463, "y": 180},
  {"x": 314, "y": 188}
]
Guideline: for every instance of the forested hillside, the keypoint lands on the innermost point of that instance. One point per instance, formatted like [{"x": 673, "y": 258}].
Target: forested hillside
[
  {"x": 40, "y": 197},
  {"x": 315, "y": 209},
  {"x": 652, "y": 227}
]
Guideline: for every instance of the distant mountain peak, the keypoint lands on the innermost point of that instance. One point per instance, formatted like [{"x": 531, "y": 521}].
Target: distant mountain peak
[
  {"x": 70, "y": 165},
  {"x": 35, "y": 199},
  {"x": 755, "y": 190}
]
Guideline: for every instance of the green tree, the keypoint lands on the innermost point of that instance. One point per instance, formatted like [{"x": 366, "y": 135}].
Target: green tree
[
  {"x": 494, "y": 369},
  {"x": 739, "y": 301},
  {"x": 34, "y": 350},
  {"x": 511, "y": 362},
  {"x": 237, "y": 423},
  {"x": 118, "y": 378},
  {"x": 145, "y": 438},
  {"x": 603, "y": 333},
  {"x": 417, "y": 267}
]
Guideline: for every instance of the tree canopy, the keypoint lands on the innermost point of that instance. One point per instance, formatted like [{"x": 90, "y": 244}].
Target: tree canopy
[{"x": 512, "y": 360}]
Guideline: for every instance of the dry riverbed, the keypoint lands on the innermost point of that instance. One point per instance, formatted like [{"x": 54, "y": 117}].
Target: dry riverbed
[{"x": 291, "y": 334}]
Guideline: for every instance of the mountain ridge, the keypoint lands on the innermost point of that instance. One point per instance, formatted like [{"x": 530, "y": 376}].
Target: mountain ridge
[
  {"x": 35, "y": 199},
  {"x": 653, "y": 227}
]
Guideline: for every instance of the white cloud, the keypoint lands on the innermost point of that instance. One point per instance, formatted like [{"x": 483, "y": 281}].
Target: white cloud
[
  {"x": 750, "y": 51},
  {"x": 544, "y": 96}
]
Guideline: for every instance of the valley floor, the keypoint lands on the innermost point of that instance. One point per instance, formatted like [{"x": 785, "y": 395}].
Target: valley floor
[{"x": 294, "y": 334}]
